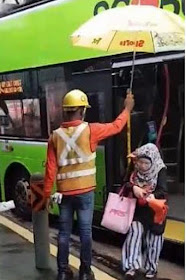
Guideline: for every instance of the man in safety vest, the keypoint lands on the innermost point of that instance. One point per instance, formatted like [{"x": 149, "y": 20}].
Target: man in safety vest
[{"x": 71, "y": 161}]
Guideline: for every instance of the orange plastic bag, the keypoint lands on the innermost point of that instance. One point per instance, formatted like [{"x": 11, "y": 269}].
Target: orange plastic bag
[{"x": 160, "y": 209}]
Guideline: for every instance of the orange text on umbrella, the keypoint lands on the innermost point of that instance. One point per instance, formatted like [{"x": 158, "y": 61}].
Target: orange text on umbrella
[{"x": 139, "y": 43}]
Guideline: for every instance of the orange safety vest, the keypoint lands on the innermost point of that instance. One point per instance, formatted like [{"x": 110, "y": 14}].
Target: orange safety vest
[{"x": 76, "y": 162}]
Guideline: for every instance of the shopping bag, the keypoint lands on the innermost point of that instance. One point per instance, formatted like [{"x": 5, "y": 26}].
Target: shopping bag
[
  {"x": 119, "y": 213},
  {"x": 160, "y": 210}
]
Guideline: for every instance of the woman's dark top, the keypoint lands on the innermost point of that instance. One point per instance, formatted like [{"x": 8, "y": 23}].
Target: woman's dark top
[{"x": 145, "y": 214}]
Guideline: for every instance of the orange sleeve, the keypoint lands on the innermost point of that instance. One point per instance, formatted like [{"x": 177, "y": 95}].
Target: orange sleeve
[
  {"x": 99, "y": 131},
  {"x": 51, "y": 168}
]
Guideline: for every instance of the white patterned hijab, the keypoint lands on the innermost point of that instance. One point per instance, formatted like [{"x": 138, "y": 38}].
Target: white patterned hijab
[{"x": 151, "y": 175}]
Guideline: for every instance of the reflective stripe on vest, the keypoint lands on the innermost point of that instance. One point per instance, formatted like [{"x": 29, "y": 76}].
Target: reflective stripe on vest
[
  {"x": 76, "y": 160},
  {"x": 75, "y": 174},
  {"x": 71, "y": 145}
]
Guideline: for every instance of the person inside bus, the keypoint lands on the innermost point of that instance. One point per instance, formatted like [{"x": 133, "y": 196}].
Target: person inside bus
[
  {"x": 71, "y": 160},
  {"x": 147, "y": 183}
]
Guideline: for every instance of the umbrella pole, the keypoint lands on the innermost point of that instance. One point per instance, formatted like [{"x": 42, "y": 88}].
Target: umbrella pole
[
  {"x": 129, "y": 119},
  {"x": 132, "y": 73},
  {"x": 128, "y": 140}
]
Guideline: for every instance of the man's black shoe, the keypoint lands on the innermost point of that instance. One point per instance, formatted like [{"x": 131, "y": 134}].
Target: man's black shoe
[
  {"x": 65, "y": 275},
  {"x": 86, "y": 275}
]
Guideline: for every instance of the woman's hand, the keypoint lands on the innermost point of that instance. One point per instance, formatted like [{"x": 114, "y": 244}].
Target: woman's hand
[
  {"x": 150, "y": 197},
  {"x": 139, "y": 192}
]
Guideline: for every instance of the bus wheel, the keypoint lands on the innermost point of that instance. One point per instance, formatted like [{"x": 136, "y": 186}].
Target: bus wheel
[{"x": 21, "y": 199}]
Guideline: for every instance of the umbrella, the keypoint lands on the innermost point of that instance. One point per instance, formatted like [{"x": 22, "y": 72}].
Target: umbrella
[
  {"x": 143, "y": 28},
  {"x": 133, "y": 28}
]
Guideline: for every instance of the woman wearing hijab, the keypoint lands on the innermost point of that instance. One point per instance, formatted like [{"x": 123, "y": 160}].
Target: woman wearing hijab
[{"x": 147, "y": 183}]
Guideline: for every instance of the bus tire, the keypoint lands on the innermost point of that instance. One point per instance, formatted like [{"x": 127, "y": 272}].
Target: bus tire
[
  {"x": 22, "y": 198},
  {"x": 16, "y": 183}
]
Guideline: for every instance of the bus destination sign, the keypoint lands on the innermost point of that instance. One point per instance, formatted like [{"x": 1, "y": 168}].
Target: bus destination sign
[{"x": 11, "y": 87}]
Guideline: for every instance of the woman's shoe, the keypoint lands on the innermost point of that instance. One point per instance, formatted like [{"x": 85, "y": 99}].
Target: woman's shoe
[
  {"x": 151, "y": 276},
  {"x": 129, "y": 275},
  {"x": 134, "y": 275}
]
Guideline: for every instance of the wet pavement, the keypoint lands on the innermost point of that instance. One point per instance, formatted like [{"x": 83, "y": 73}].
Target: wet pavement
[{"x": 17, "y": 259}]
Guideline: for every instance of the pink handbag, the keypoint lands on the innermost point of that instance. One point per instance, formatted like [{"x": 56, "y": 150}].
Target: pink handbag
[{"x": 119, "y": 213}]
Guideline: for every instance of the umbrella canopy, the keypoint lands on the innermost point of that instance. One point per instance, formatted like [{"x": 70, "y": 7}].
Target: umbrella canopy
[
  {"x": 133, "y": 28},
  {"x": 138, "y": 28}
]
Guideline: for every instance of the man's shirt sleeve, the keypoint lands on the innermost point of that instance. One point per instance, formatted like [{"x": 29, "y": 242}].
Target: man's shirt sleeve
[{"x": 51, "y": 168}]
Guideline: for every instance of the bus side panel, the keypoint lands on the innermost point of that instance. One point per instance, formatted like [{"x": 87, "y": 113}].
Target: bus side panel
[{"x": 31, "y": 156}]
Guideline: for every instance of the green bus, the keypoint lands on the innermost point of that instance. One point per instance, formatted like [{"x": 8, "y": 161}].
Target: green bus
[{"x": 38, "y": 65}]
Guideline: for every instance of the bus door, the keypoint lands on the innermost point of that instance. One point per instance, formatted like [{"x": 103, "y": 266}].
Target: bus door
[
  {"x": 97, "y": 85},
  {"x": 150, "y": 92},
  {"x": 144, "y": 90}
]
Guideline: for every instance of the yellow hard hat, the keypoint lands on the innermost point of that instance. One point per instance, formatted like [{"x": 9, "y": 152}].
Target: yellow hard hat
[{"x": 75, "y": 98}]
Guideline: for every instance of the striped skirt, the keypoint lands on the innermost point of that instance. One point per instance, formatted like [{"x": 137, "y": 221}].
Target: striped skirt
[{"x": 141, "y": 249}]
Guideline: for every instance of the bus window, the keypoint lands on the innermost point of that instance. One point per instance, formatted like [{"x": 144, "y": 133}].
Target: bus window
[
  {"x": 54, "y": 94},
  {"x": 23, "y": 117},
  {"x": 12, "y": 109},
  {"x": 32, "y": 122}
]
